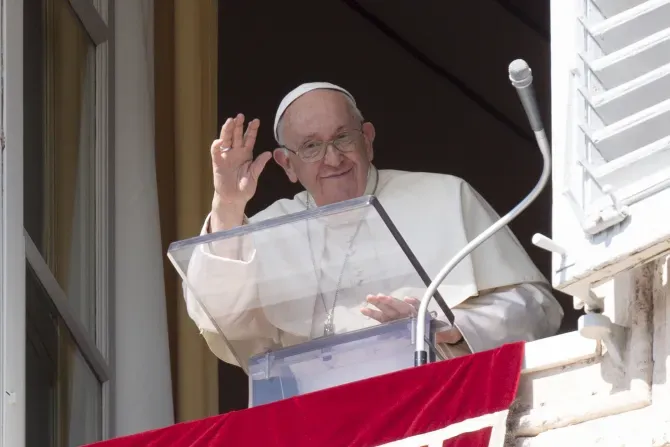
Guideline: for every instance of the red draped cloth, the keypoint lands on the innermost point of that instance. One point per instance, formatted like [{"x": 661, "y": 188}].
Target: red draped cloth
[{"x": 457, "y": 403}]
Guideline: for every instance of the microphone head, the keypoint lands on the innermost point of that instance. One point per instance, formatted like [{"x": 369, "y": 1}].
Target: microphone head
[{"x": 520, "y": 73}]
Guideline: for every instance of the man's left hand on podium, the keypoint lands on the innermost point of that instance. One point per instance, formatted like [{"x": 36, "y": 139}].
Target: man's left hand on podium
[
  {"x": 390, "y": 308},
  {"x": 450, "y": 336}
]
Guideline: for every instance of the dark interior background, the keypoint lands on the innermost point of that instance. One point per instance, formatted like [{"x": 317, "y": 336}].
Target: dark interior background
[{"x": 431, "y": 76}]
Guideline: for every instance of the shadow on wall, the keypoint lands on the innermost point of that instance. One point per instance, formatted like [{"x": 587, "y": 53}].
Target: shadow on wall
[{"x": 431, "y": 76}]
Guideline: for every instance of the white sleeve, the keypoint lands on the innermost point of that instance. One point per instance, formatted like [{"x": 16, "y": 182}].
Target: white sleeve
[
  {"x": 224, "y": 290},
  {"x": 524, "y": 312}
]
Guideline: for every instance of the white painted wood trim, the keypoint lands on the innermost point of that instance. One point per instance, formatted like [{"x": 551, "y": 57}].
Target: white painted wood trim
[
  {"x": 104, "y": 214},
  {"x": 622, "y": 262},
  {"x": 84, "y": 342},
  {"x": 12, "y": 249}
]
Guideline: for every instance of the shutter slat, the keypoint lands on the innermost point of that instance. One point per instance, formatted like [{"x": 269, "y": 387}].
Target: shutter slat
[
  {"x": 631, "y": 25},
  {"x": 633, "y": 132},
  {"x": 632, "y": 97},
  {"x": 629, "y": 169},
  {"x": 610, "y": 8},
  {"x": 632, "y": 61},
  {"x": 656, "y": 153}
]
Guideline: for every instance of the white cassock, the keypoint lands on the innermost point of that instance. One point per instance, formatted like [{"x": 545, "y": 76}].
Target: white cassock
[{"x": 497, "y": 294}]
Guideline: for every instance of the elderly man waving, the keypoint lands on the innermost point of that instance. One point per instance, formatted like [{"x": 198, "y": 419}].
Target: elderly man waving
[{"x": 497, "y": 295}]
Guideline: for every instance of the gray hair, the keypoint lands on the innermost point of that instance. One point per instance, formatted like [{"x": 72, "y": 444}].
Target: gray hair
[{"x": 355, "y": 111}]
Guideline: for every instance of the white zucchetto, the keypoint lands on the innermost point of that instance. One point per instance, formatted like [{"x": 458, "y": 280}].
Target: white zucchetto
[{"x": 298, "y": 92}]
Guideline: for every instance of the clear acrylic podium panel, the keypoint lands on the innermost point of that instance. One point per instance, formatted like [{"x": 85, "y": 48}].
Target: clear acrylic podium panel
[
  {"x": 269, "y": 285},
  {"x": 335, "y": 360}
]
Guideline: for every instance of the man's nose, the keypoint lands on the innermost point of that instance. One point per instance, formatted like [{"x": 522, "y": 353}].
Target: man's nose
[{"x": 333, "y": 156}]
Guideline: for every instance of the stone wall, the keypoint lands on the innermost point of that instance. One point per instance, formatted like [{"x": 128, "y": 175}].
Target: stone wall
[{"x": 574, "y": 393}]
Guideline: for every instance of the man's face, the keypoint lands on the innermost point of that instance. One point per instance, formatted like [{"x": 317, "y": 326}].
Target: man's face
[{"x": 317, "y": 117}]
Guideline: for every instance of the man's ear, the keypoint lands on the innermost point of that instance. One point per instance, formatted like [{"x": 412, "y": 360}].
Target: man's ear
[
  {"x": 281, "y": 157},
  {"x": 369, "y": 133}
]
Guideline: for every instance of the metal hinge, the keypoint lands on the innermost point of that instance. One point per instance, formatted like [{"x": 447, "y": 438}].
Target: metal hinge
[{"x": 606, "y": 216}]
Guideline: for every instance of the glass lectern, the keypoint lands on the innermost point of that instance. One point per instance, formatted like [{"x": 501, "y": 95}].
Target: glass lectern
[{"x": 283, "y": 297}]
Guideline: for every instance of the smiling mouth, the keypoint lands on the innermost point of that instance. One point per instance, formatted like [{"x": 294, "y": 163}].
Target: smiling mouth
[{"x": 340, "y": 174}]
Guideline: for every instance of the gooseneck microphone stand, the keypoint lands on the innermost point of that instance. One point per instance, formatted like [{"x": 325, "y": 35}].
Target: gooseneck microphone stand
[{"x": 521, "y": 77}]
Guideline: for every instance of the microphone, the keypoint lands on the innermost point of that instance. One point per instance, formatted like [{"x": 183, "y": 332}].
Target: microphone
[{"x": 522, "y": 79}]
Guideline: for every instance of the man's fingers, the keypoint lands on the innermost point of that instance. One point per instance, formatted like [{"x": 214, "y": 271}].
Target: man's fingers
[
  {"x": 238, "y": 131},
  {"x": 258, "y": 164},
  {"x": 391, "y": 307},
  {"x": 251, "y": 133},
  {"x": 374, "y": 314},
  {"x": 226, "y": 136},
  {"x": 401, "y": 307},
  {"x": 224, "y": 127},
  {"x": 216, "y": 147},
  {"x": 450, "y": 336},
  {"x": 414, "y": 302},
  {"x": 231, "y": 133}
]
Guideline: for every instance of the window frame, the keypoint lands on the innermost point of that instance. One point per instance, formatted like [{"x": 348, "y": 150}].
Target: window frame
[
  {"x": 104, "y": 179},
  {"x": 12, "y": 252},
  {"x": 16, "y": 247}
]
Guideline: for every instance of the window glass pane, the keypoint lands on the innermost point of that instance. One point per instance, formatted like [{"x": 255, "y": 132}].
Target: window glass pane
[
  {"x": 80, "y": 395},
  {"x": 60, "y": 149},
  {"x": 64, "y": 397},
  {"x": 41, "y": 366}
]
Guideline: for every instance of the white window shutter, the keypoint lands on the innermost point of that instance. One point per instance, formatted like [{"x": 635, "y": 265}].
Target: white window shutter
[{"x": 611, "y": 137}]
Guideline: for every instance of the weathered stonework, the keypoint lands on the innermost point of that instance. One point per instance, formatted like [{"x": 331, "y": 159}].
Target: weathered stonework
[{"x": 573, "y": 394}]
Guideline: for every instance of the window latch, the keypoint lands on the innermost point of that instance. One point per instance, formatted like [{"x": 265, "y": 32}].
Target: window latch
[{"x": 607, "y": 215}]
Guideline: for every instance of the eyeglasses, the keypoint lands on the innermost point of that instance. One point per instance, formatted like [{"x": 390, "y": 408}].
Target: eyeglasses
[{"x": 313, "y": 151}]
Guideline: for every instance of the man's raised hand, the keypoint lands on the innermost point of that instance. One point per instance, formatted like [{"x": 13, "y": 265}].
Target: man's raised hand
[{"x": 235, "y": 172}]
